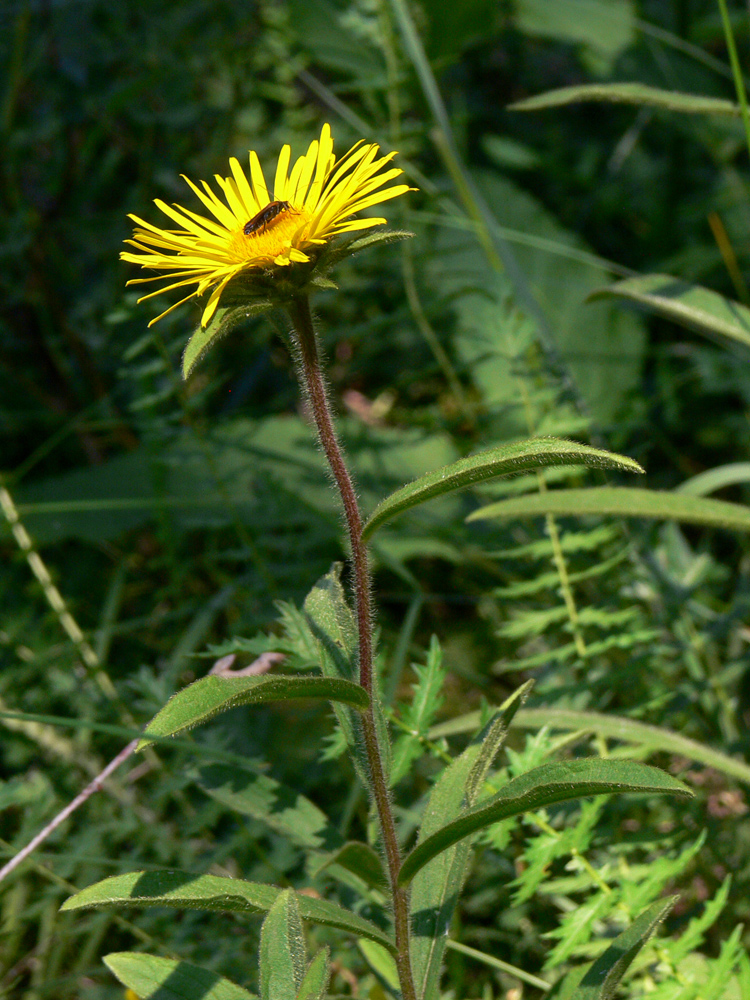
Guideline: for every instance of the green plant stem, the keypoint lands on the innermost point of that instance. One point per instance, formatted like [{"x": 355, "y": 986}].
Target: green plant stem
[
  {"x": 734, "y": 59},
  {"x": 313, "y": 382}
]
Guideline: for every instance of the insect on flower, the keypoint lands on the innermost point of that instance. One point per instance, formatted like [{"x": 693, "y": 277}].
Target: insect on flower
[
  {"x": 266, "y": 215},
  {"x": 315, "y": 200}
]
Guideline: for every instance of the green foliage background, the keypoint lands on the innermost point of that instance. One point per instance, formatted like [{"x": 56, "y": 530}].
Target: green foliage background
[{"x": 174, "y": 516}]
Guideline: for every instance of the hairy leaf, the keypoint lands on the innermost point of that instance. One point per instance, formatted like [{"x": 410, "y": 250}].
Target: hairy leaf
[
  {"x": 556, "y": 782},
  {"x": 332, "y": 625},
  {"x": 207, "y": 697},
  {"x": 166, "y": 979},
  {"x": 623, "y": 502},
  {"x": 223, "y": 322},
  {"x": 282, "y": 950},
  {"x": 628, "y": 93},
  {"x": 505, "y": 460},
  {"x": 315, "y": 983},
  {"x": 181, "y": 890}
]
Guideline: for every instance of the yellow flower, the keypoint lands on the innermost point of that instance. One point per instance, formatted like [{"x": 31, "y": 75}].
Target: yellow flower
[{"x": 251, "y": 228}]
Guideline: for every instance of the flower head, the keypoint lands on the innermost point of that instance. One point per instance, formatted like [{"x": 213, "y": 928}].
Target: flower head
[{"x": 252, "y": 229}]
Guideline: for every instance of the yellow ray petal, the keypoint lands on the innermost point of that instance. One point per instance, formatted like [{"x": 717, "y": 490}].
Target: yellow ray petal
[
  {"x": 171, "y": 309},
  {"x": 211, "y": 202},
  {"x": 249, "y": 202},
  {"x": 291, "y": 191},
  {"x": 236, "y": 206},
  {"x": 310, "y": 161},
  {"x": 280, "y": 184},
  {"x": 259, "y": 184}
]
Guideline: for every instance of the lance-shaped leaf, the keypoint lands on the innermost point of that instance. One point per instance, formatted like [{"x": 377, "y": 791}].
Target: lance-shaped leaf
[
  {"x": 505, "y": 460},
  {"x": 559, "y": 781},
  {"x": 283, "y": 809},
  {"x": 629, "y": 93},
  {"x": 361, "y": 860},
  {"x": 207, "y": 697},
  {"x": 617, "y": 727},
  {"x": 437, "y": 886},
  {"x": 600, "y": 979},
  {"x": 333, "y": 630},
  {"x": 181, "y": 890},
  {"x": 716, "y": 479},
  {"x": 166, "y": 979},
  {"x": 689, "y": 305},
  {"x": 622, "y": 501},
  {"x": 223, "y": 322},
  {"x": 282, "y": 950},
  {"x": 315, "y": 984},
  {"x": 338, "y": 252}
]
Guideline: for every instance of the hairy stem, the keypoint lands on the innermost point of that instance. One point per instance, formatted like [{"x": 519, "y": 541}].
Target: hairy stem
[{"x": 313, "y": 382}]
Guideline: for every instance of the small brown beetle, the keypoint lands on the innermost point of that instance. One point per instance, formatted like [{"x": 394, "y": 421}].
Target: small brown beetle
[{"x": 266, "y": 215}]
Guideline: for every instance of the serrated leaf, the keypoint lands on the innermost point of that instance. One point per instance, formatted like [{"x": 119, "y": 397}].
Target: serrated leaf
[
  {"x": 603, "y": 976},
  {"x": 315, "y": 983},
  {"x": 282, "y": 950},
  {"x": 361, "y": 860},
  {"x": 560, "y": 781},
  {"x": 426, "y": 701},
  {"x": 628, "y": 93},
  {"x": 207, "y": 697},
  {"x": 155, "y": 978},
  {"x": 181, "y": 890},
  {"x": 224, "y": 321},
  {"x": 689, "y": 305},
  {"x": 622, "y": 502},
  {"x": 505, "y": 460},
  {"x": 574, "y": 927},
  {"x": 436, "y": 887}
]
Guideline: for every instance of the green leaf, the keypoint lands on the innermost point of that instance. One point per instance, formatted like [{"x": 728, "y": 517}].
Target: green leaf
[
  {"x": 611, "y": 726},
  {"x": 505, "y": 460},
  {"x": 559, "y": 781},
  {"x": 715, "y": 479},
  {"x": 603, "y": 976},
  {"x": 283, "y": 809},
  {"x": 417, "y": 717},
  {"x": 334, "y": 632},
  {"x": 382, "y": 964},
  {"x": 628, "y": 93},
  {"x": 689, "y": 305},
  {"x": 181, "y": 890},
  {"x": 630, "y": 502},
  {"x": 154, "y": 978},
  {"x": 315, "y": 983},
  {"x": 223, "y": 322},
  {"x": 360, "y": 859},
  {"x": 604, "y": 27},
  {"x": 282, "y": 950},
  {"x": 207, "y": 697},
  {"x": 436, "y": 887}
]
